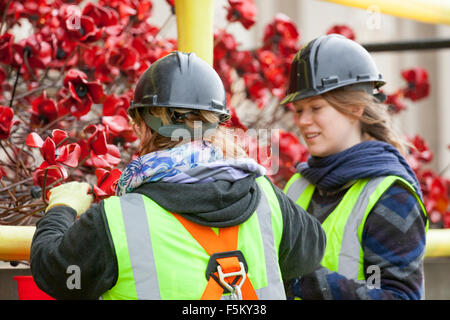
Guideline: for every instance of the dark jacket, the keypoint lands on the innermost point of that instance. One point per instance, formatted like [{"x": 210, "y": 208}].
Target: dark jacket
[{"x": 61, "y": 241}]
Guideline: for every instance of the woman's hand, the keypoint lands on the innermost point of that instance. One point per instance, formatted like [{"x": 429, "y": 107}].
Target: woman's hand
[{"x": 72, "y": 194}]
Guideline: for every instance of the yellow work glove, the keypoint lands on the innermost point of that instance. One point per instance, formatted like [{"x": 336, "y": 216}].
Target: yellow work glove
[{"x": 72, "y": 194}]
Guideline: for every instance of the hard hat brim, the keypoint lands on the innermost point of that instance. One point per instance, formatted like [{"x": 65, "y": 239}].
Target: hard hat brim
[{"x": 312, "y": 92}]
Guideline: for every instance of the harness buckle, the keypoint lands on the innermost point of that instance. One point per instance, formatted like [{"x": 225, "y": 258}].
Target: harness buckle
[
  {"x": 235, "y": 289},
  {"x": 241, "y": 275}
]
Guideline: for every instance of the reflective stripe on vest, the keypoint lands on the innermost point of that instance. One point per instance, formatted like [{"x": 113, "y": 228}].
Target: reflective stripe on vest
[
  {"x": 266, "y": 210},
  {"x": 147, "y": 257},
  {"x": 344, "y": 226}
]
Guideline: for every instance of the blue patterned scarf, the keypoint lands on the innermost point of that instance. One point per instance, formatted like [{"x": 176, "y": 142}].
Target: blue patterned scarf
[
  {"x": 194, "y": 162},
  {"x": 368, "y": 159}
]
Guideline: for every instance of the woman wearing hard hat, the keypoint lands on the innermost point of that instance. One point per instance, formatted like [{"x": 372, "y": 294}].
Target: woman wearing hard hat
[
  {"x": 194, "y": 218},
  {"x": 356, "y": 181}
]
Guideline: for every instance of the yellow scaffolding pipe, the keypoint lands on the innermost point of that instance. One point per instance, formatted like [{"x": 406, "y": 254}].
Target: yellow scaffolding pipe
[
  {"x": 429, "y": 11},
  {"x": 438, "y": 243},
  {"x": 195, "y": 27},
  {"x": 15, "y": 242}
]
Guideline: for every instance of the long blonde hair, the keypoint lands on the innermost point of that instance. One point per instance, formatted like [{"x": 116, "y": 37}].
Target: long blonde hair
[
  {"x": 153, "y": 141},
  {"x": 376, "y": 122}
]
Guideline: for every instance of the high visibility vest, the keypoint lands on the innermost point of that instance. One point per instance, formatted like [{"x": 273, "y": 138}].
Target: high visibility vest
[
  {"x": 158, "y": 258},
  {"x": 345, "y": 224}
]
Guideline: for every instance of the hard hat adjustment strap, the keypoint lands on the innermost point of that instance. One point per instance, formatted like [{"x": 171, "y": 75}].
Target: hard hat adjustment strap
[{"x": 179, "y": 130}]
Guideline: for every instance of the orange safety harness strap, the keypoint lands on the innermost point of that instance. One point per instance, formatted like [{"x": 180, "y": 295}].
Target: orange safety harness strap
[{"x": 225, "y": 241}]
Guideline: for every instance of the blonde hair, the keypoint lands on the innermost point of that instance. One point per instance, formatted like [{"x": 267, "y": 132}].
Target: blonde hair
[
  {"x": 153, "y": 141},
  {"x": 376, "y": 122}
]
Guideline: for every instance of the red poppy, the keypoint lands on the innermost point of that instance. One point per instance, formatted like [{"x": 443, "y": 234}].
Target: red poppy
[
  {"x": 274, "y": 71},
  {"x": 6, "y": 45},
  {"x": 101, "y": 154},
  {"x": 224, "y": 44},
  {"x": 95, "y": 57},
  {"x": 67, "y": 104},
  {"x": 14, "y": 12},
  {"x": 97, "y": 138},
  {"x": 395, "y": 102},
  {"x": 256, "y": 89},
  {"x": 344, "y": 30},
  {"x": 281, "y": 36},
  {"x": 418, "y": 85},
  {"x": 141, "y": 46},
  {"x": 435, "y": 193},
  {"x": 243, "y": 11},
  {"x": 143, "y": 9},
  {"x": 79, "y": 27},
  {"x": 48, "y": 174},
  {"x": 103, "y": 16},
  {"x": 35, "y": 8},
  {"x": 64, "y": 51},
  {"x": 6, "y": 117},
  {"x": 32, "y": 53},
  {"x": 106, "y": 183},
  {"x": 418, "y": 154},
  {"x": 42, "y": 14},
  {"x": 43, "y": 110},
  {"x": 54, "y": 149},
  {"x": 290, "y": 148},
  {"x": 137, "y": 10},
  {"x": 244, "y": 62},
  {"x": 115, "y": 105},
  {"x": 420, "y": 149},
  {"x": 56, "y": 153},
  {"x": 108, "y": 160},
  {"x": 119, "y": 129},
  {"x": 123, "y": 57},
  {"x": 78, "y": 93}
]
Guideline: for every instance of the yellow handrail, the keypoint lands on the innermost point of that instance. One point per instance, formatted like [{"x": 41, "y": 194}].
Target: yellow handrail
[
  {"x": 429, "y": 11},
  {"x": 438, "y": 243},
  {"x": 15, "y": 242}
]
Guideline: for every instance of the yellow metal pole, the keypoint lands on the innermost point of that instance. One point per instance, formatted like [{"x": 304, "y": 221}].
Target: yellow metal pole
[
  {"x": 438, "y": 243},
  {"x": 15, "y": 242},
  {"x": 195, "y": 27},
  {"x": 430, "y": 11}
]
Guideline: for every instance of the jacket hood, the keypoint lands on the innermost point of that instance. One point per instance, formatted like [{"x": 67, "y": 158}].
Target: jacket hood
[{"x": 215, "y": 204}]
